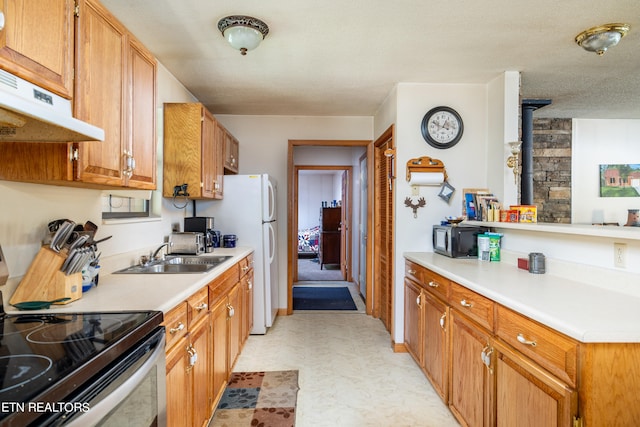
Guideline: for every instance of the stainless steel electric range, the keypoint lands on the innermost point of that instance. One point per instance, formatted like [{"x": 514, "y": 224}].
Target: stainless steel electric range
[{"x": 82, "y": 369}]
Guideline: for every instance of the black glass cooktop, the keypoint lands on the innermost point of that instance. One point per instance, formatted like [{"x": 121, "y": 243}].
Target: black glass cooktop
[{"x": 45, "y": 357}]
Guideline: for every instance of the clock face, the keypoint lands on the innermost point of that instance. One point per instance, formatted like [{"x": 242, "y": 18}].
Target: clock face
[{"x": 442, "y": 127}]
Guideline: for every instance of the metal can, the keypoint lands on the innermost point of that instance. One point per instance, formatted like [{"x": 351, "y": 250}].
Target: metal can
[{"x": 537, "y": 263}]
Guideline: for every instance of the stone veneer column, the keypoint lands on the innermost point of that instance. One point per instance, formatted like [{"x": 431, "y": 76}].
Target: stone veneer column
[{"x": 552, "y": 169}]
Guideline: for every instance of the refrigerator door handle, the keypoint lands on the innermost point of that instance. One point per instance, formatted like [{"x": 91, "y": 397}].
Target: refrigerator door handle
[
  {"x": 272, "y": 243},
  {"x": 272, "y": 200}
]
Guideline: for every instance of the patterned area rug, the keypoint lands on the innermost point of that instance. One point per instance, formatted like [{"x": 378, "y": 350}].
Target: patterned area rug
[{"x": 264, "y": 399}]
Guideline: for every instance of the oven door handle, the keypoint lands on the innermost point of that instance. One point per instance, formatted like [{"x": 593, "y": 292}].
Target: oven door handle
[{"x": 102, "y": 408}]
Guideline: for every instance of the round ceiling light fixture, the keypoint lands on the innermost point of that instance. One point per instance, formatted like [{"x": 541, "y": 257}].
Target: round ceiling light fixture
[
  {"x": 243, "y": 32},
  {"x": 599, "y": 39}
]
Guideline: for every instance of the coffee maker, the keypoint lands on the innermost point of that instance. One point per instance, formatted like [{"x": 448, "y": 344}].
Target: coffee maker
[{"x": 204, "y": 225}]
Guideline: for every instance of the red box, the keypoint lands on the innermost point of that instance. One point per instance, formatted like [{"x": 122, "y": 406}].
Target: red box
[
  {"x": 523, "y": 263},
  {"x": 511, "y": 215}
]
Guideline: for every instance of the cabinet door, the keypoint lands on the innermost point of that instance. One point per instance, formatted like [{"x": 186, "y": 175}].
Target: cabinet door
[
  {"x": 201, "y": 372},
  {"x": 528, "y": 396},
  {"x": 101, "y": 43},
  {"x": 178, "y": 385},
  {"x": 247, "y": 305},
  {"x": 413, "y": 320},
  {"x": 140, "y": 172},
  {"x": 471, "y": 382},
  {"x": 220, "y": 346},
  {"x": 231, "y": 153},
  {"x": 218, "y": 163},
  {"x": 208, "y": 155},
  {"x": 434, "y": 351},
  {"x": 36, "y": 42},
  {"x": 235, "y": 325}
]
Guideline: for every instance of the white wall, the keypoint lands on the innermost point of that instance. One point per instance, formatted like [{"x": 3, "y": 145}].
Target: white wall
[
  {"x": 312, "y": 191},
  {"x": 595, "y": 143}
]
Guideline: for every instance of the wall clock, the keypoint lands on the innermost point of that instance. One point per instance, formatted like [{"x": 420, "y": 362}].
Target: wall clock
[{"x": 442, "y": 127}]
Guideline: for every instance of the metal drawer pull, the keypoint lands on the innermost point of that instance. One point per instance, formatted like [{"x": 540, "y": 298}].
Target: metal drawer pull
[
  {"x": 464, "y": 303},
  {"x": 523, "y": 340},
  {"x": 444, "y": 316},
  {"x": 202, "y": 306},
  {"x": 178, "y": 328},
  {"x": 411, "y": 271},
  {"x": 433, "y": 284},
  {"x": 245, "y": 268},
  {"x": 418, "y": 300}
]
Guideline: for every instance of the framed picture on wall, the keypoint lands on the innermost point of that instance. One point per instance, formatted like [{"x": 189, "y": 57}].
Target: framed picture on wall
[{"x": 620, "y": 180}]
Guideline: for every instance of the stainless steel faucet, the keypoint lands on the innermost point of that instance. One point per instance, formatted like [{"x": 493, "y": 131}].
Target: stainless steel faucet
[{"x": 155, "y": 254}]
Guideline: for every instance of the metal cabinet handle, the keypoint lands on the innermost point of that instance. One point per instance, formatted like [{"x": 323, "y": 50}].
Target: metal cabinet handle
[
  {"x": 433, "y": 284},
  {"x": 202, "y": 306},
  {"x": 249, "y": 284},
  {"x": 411, "y": 271},
  {"x": 178, "y": 328},
  {"x": 485, "y": 355},
  {"x": 418, "y": 300},
  {"x": 442, "y": 318},
  {"x": 231, "y": 310},
  {"x": 464, "y": 303},
  {"x": 523, "y": 340},
  {"x": 1, "y": 20},
  {"x": 245, "y": 268},
  {"x": 193, "y": 356}
]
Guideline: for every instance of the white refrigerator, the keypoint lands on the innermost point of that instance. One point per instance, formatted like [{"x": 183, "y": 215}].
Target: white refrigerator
[{"x": 248, "y": 210}]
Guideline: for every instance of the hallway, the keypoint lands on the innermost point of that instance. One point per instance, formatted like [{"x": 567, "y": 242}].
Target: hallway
[{"x": 349, "y": 376}]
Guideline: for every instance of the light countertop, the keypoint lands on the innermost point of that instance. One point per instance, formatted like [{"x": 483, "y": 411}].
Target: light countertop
[
  {"x": 121, "y": 292},
  {"x": 585, "y": 312}
]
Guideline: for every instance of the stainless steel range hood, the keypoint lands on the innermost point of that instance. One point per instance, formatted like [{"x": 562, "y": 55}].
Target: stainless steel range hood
[{"x": 29, "y": 113}]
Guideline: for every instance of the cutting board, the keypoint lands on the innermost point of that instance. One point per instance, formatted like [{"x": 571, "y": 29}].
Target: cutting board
[{"x": 45, "y": 282}]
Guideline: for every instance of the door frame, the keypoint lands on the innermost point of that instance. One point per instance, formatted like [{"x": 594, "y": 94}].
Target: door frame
[{"x": 292, "y": 213}]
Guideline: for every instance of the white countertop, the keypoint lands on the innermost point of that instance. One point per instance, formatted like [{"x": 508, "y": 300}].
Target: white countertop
[
  {"x": 581, "y": 311},
  {"x": 118, "y": 292}
]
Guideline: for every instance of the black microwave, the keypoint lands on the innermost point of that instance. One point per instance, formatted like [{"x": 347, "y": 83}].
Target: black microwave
[{"x": 457, "y": 241}]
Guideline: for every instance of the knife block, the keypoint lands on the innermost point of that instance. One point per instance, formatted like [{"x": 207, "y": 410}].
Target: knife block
[{"x": 45, "y": 282}]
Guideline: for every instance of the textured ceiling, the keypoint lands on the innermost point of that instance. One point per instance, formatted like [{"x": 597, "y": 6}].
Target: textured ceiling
[{"x": 337, "y": 58}]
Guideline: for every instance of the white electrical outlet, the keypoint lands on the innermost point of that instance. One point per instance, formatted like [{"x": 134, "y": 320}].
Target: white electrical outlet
[
  {"x": 415, "y": 190},
  {"x": 620, "y": 255}
]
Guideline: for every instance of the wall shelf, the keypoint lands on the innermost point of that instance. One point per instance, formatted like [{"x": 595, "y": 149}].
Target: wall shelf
[{"x": 605, "y": 231}]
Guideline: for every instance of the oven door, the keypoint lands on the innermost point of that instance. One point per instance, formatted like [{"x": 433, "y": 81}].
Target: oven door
[{"x": 131, "y": 391}]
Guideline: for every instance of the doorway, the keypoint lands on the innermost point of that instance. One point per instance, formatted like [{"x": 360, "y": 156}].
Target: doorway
[
  {"x": 324, "y": 204},
  {"x": 322, "y": 161}
]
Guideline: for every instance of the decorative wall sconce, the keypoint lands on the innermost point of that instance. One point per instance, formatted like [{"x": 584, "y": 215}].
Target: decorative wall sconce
[
  {"x": 512, "y": 161},
  {"x": 599, "y": 39},
  {"x": 243, "y": 32}
]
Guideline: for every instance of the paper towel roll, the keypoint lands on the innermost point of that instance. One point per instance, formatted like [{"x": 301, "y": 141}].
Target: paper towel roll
[{"x": 426, "y": 178}]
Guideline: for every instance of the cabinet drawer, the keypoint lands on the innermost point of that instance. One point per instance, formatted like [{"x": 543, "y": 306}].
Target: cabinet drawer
[
  {"x": 436, "y": 284},
  {"x": 198, "y": 305},
  {"x": 473, "y": 305},
  {"x": 246, "y": 264},
  {"x": 175, "y": 323},
  {"x": 550, "y": 349},
  {"x": 413, "y": 271}
]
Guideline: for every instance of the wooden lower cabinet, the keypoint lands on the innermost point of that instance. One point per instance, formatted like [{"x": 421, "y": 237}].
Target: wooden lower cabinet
[
  {"x": 413, "y": 319},
  {"x": 435, "y": 349},
  {"x": 246, "y": 289},
  {"x": 471, "y": 381},
  {"x": 527, "y": 395},
  {"x": 204, "y": 339}
]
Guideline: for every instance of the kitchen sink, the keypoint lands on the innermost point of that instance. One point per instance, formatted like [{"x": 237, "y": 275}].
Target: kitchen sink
[{"x": 177, "y": 264}]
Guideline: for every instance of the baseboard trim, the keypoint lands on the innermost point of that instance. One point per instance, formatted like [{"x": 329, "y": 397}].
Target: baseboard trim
[{"x": 399, "y": 348}]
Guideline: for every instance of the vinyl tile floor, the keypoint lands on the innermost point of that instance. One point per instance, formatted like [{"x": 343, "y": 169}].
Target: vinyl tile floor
[{"x": 348, "y": 374}]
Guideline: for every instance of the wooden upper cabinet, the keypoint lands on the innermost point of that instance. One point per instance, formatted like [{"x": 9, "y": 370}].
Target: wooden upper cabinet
[
  {"x": 142, "y": 118},
  {"x": 36, "y": 42},
  {"x": 231, "y": 154},
  {"x": 192, "y": 151},
  {"x": 115, "y": 90}
]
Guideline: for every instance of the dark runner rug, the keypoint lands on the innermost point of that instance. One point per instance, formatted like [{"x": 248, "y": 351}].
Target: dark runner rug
[
  {"x": 265, "y": 399},
  {"x": 322, "y": 298}
]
